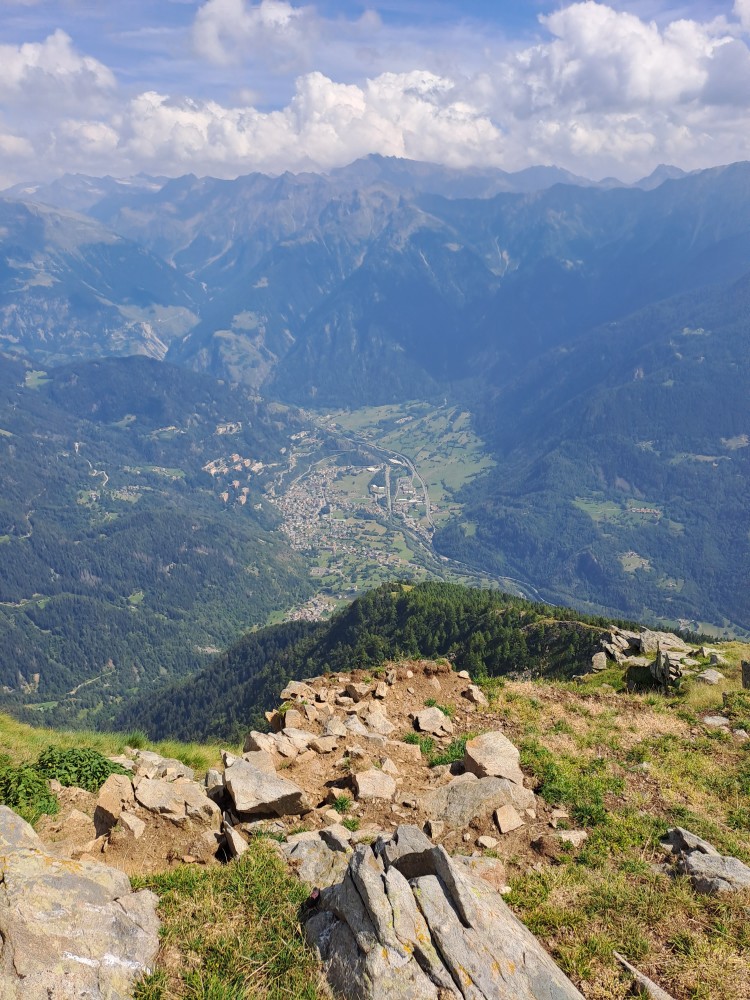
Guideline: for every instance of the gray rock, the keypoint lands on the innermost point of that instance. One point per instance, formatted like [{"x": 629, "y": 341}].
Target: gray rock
[
  {"x": 599, "y": 662},
  {"x": 293, "y": 718},
  {"x": 374, "y": 784},
  {"x": 336, "y": 837},
  {"x": 710, "y": 676},
  {"x": 711, "y": 875},
  {"x": 115, "y": 795},
  {"x": 68, "y": 929},
  {"x": 259, "y": 741},
  {"x": 467, "y": 797},
  {"x": 573, "y": 837},
  {"x": 355, "y": 725},
  {"x": 299, "y": 738},
  {"x": 214, "y": 783},
  {"x": 324, "y": 744},
  {"x": 152, "y": 765},
  {"x": 492, "y": 755},
  {"x": 681, "y": 841},
  {"x": 649, "y": 642},
  {"x": 261, "y": 760},
  {"x": 297, "y": 691},
  {"x": 255, "y": 793},
  {"x": 405, "y": 849},
  {"x": 432, "y": 720},
  {"x": 475, "y": 695},
  {"x": 715, "y": 721},
  {"x": 236, "y": 843},
  {"x": 507, "y": 819},
  {"x": 335, "y": 727},
  {"x": 133, "y": 824},
  {"x": 178, "y": 801},
  {"x": 377, "y": 721},
  {"x": 314, "y": 862},
  {"x": 443, "y": 936},
  {"x": 358, "y": 692}
]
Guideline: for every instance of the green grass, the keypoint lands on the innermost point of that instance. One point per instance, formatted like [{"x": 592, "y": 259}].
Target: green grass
[
  {"x": 425, "y": 743},
  {"x": 23, "y": 744},
  {"x": 575, "y": 782},
  {"x": 232, "y": 932}
]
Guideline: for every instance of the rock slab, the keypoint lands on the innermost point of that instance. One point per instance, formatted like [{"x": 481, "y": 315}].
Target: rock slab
[
  {"x": 69, "y": 929},
  {"x": 439, "y": 935}
]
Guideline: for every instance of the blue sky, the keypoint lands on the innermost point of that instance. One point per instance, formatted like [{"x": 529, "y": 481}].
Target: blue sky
[{"x": 228, "y": 86}]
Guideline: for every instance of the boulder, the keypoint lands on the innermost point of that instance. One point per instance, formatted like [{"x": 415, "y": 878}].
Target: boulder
[
  {"x": 297, "y": 691},
  {"x": 236, "y": 843},
  {"x": 358, "y": 692},
  {"x": 132, "y": 824},
  {"x": 336, "y": 837},
  {"x": 259, "y": 741},
  {"x": 299, "y": 738},
  {"x": 377, "y": 721},
  {"x": 710, "y": 676},
  {"x": 152, "y": 765},
  {"x": 178, "y": 801},
  {"x": 256, "y": 793},
  {"x": 467, "y": 797},
  {"x": 492, "y": 755},
  {"x": 599, "y": 662},
  {"x": 649, "y": 641},
  {"x": 214, "y": 783},
  {"x": 335, "y": 727},
  {"x": 324, "y": 744},
  {"x": 710, "y": 874},
  {"x": 383, "y": 937},
  {"x": 68, "y": 929},
  {"x": 374, "y": 784},
  {"x": 294, "y": 719},
  {"x": 475, "y": 695},
  {"x": 433, "y": 721},
  {"x": 115, "y": 795},
  {"x": 261, "y": 760}
]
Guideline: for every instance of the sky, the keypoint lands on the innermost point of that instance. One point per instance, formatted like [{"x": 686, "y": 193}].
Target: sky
[{"x": 227, "y": 87}]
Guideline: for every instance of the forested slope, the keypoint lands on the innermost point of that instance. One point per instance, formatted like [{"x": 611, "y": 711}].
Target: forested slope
[{"x": 483, "y": 631}]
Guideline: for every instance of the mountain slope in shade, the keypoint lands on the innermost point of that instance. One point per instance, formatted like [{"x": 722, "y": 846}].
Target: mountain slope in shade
[
  {"x": 71, "y": 288},
  {"x": 624, "y": 466}
]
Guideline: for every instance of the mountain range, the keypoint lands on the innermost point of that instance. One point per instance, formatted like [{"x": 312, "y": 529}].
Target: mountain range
[{"x": 597, "y": 333}]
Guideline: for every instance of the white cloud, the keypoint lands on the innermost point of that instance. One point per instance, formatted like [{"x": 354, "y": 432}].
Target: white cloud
[
  {"x": 326, "y": 124},
  {"x": 601, "y": 91},
  {"x": 226, "y": 30},
  {"x": 742, "y": 13},
  {"x": 52, "y": 70}
]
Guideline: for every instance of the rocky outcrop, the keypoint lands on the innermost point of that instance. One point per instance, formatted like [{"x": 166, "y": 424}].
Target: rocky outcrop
[
  {"x": 69, "y": 929},
  {"x": 467, "y": 797},
  {"x": 410, "y": 923},
  {"x": 709, "y": 871}
]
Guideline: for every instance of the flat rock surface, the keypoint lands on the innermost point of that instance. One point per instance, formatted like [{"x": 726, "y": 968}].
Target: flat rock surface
[
  {"x": 69, "y": 929},
  {"x": 255, "y": 792},
  {"x": 492, "y": 755}
]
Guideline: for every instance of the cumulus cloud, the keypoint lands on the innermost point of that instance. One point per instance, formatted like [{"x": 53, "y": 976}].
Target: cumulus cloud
[
  {"x": 52, "y": 70},
  {"x": 326, "y": 124},
  {"x": 226, "y": 30},
  {"x": 742, "y": 13},
  {"x": 600, "y": 91}
]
